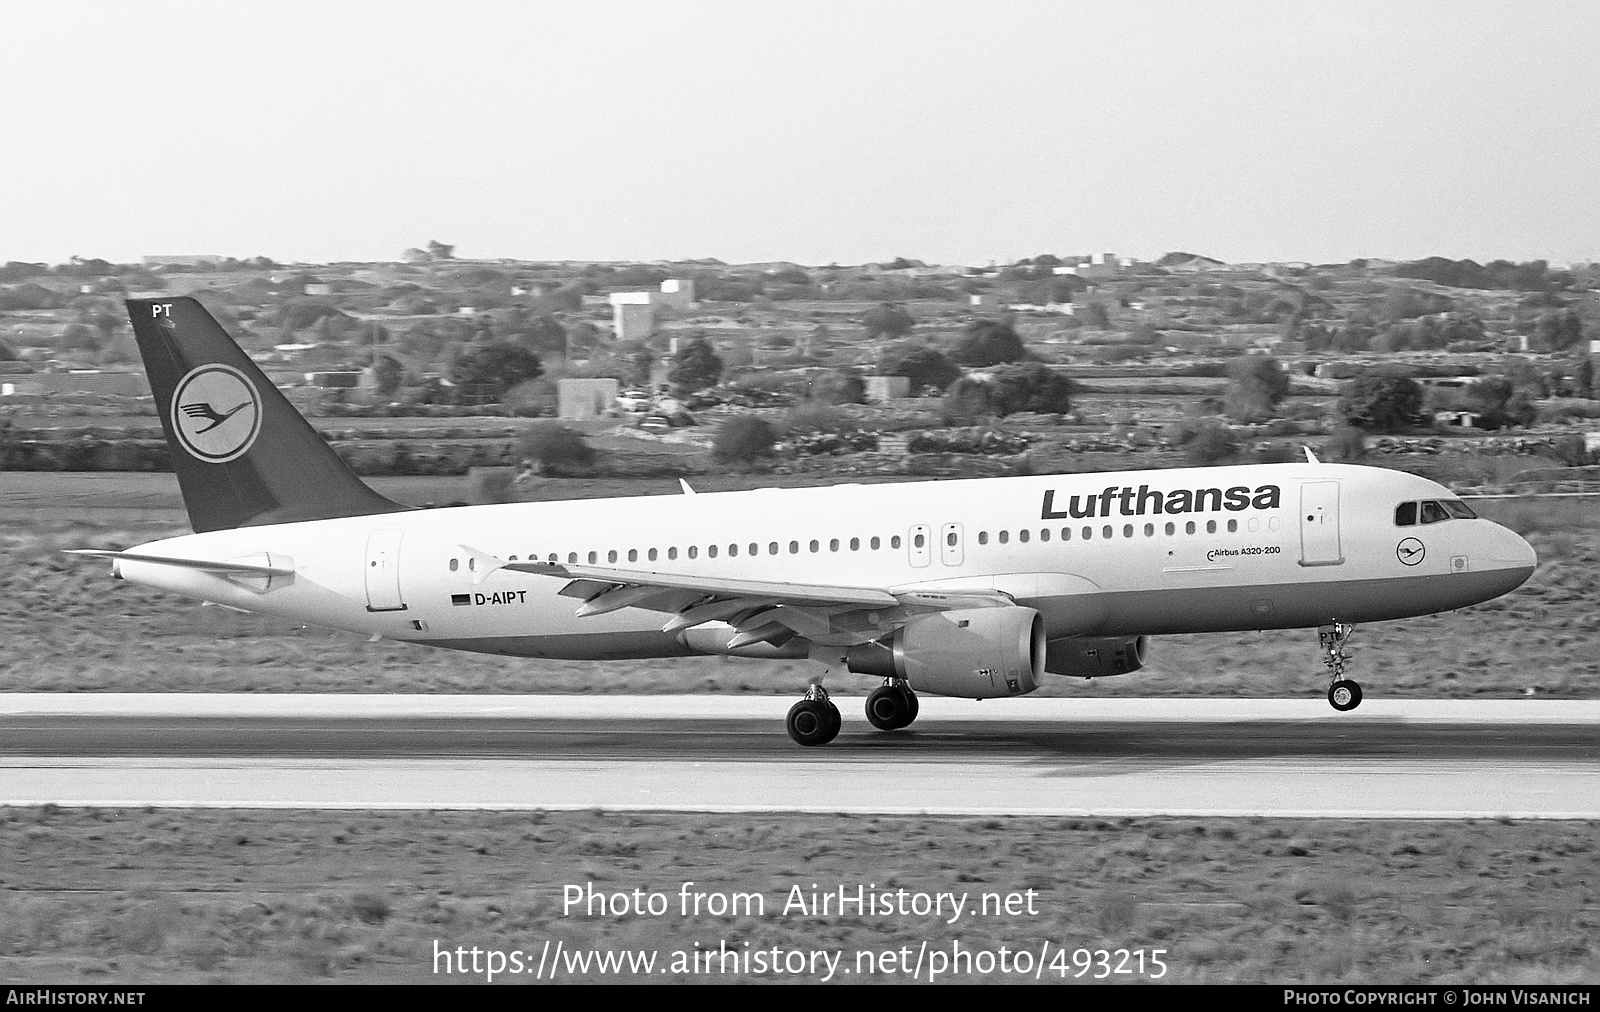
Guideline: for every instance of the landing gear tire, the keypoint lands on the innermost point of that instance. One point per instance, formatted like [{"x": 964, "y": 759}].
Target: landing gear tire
[
  {"x": 891, "y": 707},
  {"x": 814, "y": 722},
  {"x": 1344, "y": 694}
]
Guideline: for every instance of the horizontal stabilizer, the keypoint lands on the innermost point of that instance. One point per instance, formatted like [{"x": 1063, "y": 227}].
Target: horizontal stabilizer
[{"x": 204, "y": 565}]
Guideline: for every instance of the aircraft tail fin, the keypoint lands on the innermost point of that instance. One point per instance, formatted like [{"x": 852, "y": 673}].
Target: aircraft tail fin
[{"x": 244, "y": 456}]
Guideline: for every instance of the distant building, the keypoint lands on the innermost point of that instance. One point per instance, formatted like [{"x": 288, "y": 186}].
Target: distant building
[
  {"x": 983, "y": 301},
  {"x": 183, "y": 260},
  {"x": 885, "y": 388},
  {"x": 579, "y": 399},
  {"x": 125, "y": 384}
]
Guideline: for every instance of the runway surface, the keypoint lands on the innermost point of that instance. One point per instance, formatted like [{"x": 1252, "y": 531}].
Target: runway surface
[{"x": 1389, "y": 759}]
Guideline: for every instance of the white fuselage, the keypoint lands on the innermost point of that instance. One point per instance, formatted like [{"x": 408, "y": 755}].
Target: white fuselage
[{"x": 1100, "y": 554}]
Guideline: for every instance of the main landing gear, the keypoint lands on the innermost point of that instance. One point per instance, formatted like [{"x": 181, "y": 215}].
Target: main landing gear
[
  {"x": 1343, "y": 693},
  {"x": 892, "y": 705},
  {"x": 814, "y": 720}
]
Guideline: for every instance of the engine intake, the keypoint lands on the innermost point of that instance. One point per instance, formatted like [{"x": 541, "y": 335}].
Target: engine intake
[
  {"x": 977, "y": 653},
  {"x": 1095, "y": 657}
]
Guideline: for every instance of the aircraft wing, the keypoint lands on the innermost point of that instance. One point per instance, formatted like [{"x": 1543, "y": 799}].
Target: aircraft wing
[{"x": 759, "y": 611}]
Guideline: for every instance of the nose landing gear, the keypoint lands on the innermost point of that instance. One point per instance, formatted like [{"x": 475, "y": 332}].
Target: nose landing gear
[
  {"x": 1343, "y": 693},
  {"x": 814, "y": 720},
  {"x": 892, "y": 705}
]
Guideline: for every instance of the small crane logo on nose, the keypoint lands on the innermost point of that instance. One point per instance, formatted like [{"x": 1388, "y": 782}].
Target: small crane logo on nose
[{"x": 1411, "y": 551}]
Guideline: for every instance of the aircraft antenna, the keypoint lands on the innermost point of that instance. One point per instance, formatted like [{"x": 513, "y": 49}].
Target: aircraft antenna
[
  {"x": 684, "y": 484},
  {"x": 1311, "y": 458}
]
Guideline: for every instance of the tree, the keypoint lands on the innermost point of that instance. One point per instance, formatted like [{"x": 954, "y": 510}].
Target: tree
[
  {"x": 440, "y": 251},
  {"x": 924, "y": 367},
  {"x": 501, "y": 366},
  {"x": 1557, "y": 330},
  {"x": 1007, "y": 390},
  {"x": 1345, "y": 445},
  {"x": 1209, "y": 442},
  {"x": 554, "y": 446},
  {"x": 387, "y": 373},
  {"x": 989, "y": 342},
  {"x": 1256, "y": 383},
  {"x": 743, "y": 438},
  {"x": 839, "y": 387},
  {"x": 695, "y": 367},
  {"x": 887, "y": 320},
  {"x": 1381, "y": 403},
  {"x": 1095, "y": 316},
  {"x": 1499, "y": 403}
]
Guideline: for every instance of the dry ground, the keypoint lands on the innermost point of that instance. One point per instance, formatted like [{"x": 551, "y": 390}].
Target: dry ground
[
  {"x": 72, "y": 628},
  {"x": 171, "y": 896}
]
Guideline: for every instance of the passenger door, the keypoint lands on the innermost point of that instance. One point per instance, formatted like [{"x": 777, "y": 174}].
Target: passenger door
[{"x": 1319, "y": 524}]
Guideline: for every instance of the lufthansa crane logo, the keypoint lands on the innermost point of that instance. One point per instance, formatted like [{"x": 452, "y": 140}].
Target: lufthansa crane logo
[
  {"x": 216, "y": 413},
  {"x": 1410, "y": 551}
]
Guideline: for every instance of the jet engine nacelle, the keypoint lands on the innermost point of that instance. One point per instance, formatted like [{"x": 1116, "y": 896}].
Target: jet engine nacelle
[
  {"x": 978, "y": 653},
  {"x": 1095, "y": 657}
]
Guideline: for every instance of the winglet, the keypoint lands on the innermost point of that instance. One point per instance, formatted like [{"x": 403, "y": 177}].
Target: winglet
[
  {"x": 1311, "y": 458},
  {"x": 684, "y": 484}
]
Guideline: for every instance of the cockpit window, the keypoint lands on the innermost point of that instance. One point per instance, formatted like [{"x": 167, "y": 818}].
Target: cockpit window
[
  {"x": 1459, "y": 509},
  {"x": 1405, "y": 514},
  {"x": 1433, "y": 512}
]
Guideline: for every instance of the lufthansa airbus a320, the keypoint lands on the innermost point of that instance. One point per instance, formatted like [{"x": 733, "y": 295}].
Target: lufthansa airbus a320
[{"x": 974, "y": 588}]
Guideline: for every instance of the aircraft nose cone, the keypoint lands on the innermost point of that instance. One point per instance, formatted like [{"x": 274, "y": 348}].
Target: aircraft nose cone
[{"x": 1513, "y": 554}]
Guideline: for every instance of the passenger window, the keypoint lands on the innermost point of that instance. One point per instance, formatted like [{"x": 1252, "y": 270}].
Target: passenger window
[
  {"x": 611, "y": 556},
  {"x": 733, "y": 550},
  {"x": 593, "y": 558},
  {"x": 920, "y": 541},
  {"x": 455, "y": 564},
  {"x": 1127, "y": 530},
  {"x": 755, "y": 549},
  {"x": 1171, "y": 529},
  {"x": 1149, "y": 530},
  {"x": 1088, "y": 533},
  {"x": 874, "y": 544},
  {"x": 672, "y": 553},
  {"x": 1005, "y": 537},
  {"x": 711, "y": 551},
  {"x": 794, "y": 548},
  {"x": 1188, "y": 528},
  {"x": 652, "y": 555},
  {"x": 552, "y": 558},
  {"x": 1211, "y": 527},
  {"x": 855, "y": 544},
  {"x": 894, "y": 542},
  {"x": 1405, "y": 514},
  {"x": 1105, "y": 532},
  {"x": 572, "y": 556},
  {"x": 1044, "y": 534},
  {"x": 512, "y": 559},
  {"x": 633, "y": 555},
  {"x": 1066, "y": 534},
  {"x": 950, "y": 539},
  {"x": 1023, "y": 535},
  {"x": 1233, "y": 525},
  {"x": 1433, "y": 513},
  {"x": 772, "y": 548},
  {"x": 983, "y": 539},
  {"x": 814, "y": 546},
  {"x": 833, "y": 545}
]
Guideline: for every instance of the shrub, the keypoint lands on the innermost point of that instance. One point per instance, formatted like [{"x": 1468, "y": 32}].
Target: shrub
[
  {"x": 743, "y": 438},
  {"x": 999, "y": 392}
]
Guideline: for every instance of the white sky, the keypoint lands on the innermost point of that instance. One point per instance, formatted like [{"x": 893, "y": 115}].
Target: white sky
[{"x": 806, "y": 131}]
